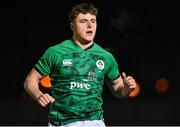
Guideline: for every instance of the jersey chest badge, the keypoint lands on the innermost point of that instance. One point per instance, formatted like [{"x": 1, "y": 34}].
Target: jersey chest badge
[{"x": 100, "y": 64}]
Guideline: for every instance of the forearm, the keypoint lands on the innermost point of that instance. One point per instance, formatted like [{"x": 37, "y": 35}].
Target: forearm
[
  {"x": 32, "y": 87},
  {"x": 123, "y": 92},
  {"x": 120, "y": 89},
  {"x": 122, "y": 86}
]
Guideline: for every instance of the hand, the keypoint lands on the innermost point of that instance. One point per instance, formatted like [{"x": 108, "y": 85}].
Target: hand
[
  {"x": 129, "y": 81},
  {"x": 45, "y": 99}
]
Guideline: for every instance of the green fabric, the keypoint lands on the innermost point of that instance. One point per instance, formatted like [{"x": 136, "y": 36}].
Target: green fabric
[{"x": 77, "y": 78}]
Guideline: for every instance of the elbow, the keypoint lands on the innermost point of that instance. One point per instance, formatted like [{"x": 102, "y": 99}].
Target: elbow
[
  {"x": 119, "y": 95},
  {"x": 25, "y": 85}
]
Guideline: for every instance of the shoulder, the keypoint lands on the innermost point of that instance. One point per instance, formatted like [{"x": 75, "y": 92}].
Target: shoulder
[
  {"x": 107, "y": 55},
  {"x": 102, "y": 51},
  {"x": 61, "y": 46}
]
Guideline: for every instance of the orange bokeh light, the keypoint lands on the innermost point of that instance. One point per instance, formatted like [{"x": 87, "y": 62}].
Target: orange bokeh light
[
  {"x": 162, "y": 85},
  {"x": 45, "y": 82},
  {"x": 136, "y": 91}
]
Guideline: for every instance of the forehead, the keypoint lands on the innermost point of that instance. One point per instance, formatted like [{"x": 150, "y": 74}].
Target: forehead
[{"x": 85, "y": 16}]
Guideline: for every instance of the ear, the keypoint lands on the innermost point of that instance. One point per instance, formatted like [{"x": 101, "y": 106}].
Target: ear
[{"x": 71, "y": 26}]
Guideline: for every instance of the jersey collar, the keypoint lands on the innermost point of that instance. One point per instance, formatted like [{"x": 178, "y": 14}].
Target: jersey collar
[{"x": 76, "y": 45}]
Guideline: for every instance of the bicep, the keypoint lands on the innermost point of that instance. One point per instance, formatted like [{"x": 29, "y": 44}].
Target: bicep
[
  {"x": 31, "y": 83},
  {"x": 33, "y": 77}
]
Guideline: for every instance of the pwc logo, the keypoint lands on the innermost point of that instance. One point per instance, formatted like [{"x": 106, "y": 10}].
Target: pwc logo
[{"x": 79, "y": 85}]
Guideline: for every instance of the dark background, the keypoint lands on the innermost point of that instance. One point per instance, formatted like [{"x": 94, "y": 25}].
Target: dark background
[{"x": 142, "y": 35}]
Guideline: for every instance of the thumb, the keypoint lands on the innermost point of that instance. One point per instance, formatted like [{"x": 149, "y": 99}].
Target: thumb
[{"x": 124, "y": 76}]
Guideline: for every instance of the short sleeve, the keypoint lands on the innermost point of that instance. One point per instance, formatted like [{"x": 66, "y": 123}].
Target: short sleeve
[
  {"x": 113, "y": 71},
  {"x": 45, "y": 64}
]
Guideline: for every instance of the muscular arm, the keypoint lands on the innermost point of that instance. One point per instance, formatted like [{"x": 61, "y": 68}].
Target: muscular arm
[
  {"x": 123, "y": 86},
  {"x": 31, "y": 85}
]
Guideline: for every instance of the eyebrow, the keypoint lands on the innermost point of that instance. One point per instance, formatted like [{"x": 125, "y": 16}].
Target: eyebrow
[{"x": 87, "y": 19}]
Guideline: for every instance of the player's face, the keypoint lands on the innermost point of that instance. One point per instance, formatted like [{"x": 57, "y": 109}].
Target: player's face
[{"x": 84, "y": 27}]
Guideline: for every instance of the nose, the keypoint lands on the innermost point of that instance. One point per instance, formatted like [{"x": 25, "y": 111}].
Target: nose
[{"x": 89, "y": 24}]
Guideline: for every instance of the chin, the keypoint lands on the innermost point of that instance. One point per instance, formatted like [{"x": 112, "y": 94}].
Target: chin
[{"x": 89, "y": 39}]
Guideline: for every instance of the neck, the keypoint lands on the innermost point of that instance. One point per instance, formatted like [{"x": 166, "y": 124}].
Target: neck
[{"x": 83, "y": 44}]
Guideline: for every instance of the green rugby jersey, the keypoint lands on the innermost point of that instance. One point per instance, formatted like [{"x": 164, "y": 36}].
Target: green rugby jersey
[{"x": 77, "y": 77}]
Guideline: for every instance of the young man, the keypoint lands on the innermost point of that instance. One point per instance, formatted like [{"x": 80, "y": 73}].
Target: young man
[{"x": 77, "y": 68}]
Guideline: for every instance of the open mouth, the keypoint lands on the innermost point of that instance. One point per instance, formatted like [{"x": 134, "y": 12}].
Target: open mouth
[{"x": 89, "y": 32}]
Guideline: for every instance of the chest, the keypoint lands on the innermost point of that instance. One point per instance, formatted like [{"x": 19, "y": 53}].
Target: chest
[{"x": 85, "y": 66}]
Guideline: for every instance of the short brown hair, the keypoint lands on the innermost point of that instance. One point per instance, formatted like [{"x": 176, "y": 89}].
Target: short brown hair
[{"x": 83, "y": 8}]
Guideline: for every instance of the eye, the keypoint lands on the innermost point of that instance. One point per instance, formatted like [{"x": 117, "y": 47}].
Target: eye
[
  {"x": 83, "y": 21},
  {"x": 93, "y": 21}
]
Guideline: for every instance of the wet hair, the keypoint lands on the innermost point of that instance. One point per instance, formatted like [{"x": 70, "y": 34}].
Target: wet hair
[{"x": 83, "y": 8}]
